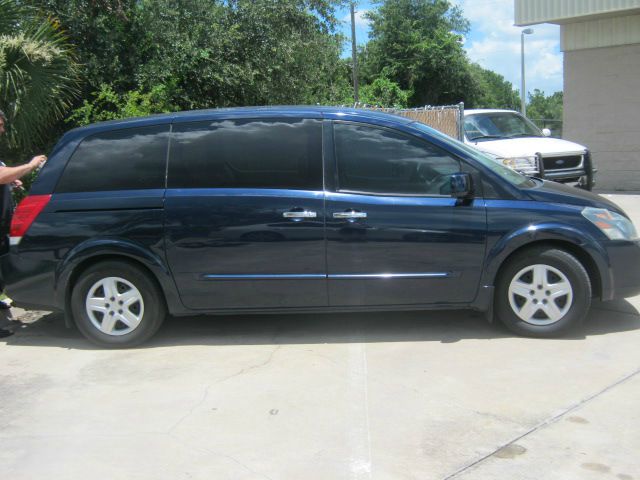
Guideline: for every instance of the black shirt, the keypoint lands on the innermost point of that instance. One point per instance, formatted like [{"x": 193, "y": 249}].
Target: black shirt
[{"x": 6, "y": 211}]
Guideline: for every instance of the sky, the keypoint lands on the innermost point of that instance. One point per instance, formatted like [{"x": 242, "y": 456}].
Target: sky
[{"x": 493, "y": 42}]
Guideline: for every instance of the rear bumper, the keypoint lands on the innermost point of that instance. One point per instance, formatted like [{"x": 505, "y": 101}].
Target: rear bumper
[{"x": 29, "y": 282}]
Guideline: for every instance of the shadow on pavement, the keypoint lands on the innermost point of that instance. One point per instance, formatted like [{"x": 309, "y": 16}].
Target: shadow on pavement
[{"x": 430, "y": 326}]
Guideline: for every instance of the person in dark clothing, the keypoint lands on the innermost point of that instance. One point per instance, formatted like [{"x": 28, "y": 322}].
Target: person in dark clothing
[{"x": 9, "y": 178}]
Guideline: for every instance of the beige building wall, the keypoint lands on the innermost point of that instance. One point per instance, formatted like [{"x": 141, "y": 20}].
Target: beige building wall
[
  {"x": 602, "y": 111},
  {"x": 531, "y": 12}
]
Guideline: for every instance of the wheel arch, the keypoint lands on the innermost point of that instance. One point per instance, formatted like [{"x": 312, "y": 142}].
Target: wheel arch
[
  {"x": 85, "y": 255},
  {"x": 580, "y": 244},
  {"x": 579, "y": 253}
]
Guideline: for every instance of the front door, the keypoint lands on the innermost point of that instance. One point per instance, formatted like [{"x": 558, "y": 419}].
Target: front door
[
  {"x": 245, "y": 214},
  {"x": 394, "y": 234}
]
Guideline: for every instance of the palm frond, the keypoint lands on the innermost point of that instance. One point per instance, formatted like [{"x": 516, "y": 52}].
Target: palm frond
[
  {"x": 10, "y": 15},
  {"x": 38, "y": 80}
]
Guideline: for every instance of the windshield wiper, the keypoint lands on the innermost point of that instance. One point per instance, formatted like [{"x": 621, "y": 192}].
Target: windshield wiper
[
  {"x": 522, "y": 135},
  {"x": 486, "y": 136}
]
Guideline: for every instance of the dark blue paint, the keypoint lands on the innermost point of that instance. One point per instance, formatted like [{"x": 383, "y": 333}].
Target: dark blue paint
[
  {"x": 219, "y": 250},
  {"x": 232, "y": 232},
  {"x": 406, "y": 235}
]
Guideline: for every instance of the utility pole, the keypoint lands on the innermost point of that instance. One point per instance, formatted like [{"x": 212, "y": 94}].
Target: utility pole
[
  {"x": 523, "y": 90},
  {"x": 354, "y": 58}
]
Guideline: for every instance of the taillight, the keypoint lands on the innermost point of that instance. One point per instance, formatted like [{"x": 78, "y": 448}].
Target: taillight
[{"x": 27, "y": 211}]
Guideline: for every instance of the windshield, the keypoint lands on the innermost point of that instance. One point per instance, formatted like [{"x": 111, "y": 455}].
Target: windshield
[
  {"x": 511, "y": 176},
  {"x": 486, "y": 126}
]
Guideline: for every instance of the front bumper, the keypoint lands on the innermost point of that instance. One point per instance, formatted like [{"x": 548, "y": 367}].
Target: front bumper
[
  {"x": 624, "y": 269},
  {"x": 583, "y": 173},
  {"x": 572, "y": 174}
]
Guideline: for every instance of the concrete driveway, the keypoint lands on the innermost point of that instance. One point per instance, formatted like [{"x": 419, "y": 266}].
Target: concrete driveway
[{"x": 411, "y": 395}]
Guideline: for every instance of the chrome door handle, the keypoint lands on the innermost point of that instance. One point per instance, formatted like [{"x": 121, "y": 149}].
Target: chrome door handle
[
  {"x": 349, "y": 214},
  {"x": 302, "y": 214}
]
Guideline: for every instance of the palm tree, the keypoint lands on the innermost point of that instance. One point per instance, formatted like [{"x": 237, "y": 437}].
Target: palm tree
[{"x": 38, "y": 73}]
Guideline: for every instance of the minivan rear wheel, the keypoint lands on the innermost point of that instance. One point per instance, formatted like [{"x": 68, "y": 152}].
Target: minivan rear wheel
[
  {"x": 116, "y": 304},
  {"x": 543, "y": 292}
]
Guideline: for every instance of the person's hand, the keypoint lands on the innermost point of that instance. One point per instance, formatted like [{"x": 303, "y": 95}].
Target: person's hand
[
  {"x": 37, "y": 161},
  {"x": 17, "y": 184}
]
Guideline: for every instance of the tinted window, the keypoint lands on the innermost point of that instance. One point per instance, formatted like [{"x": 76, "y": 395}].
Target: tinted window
[
  {"x": 506, "y": 173},
  {"x": 284, "y": 153},
  {"x": 129, "y": 159},
  {"x": 377, "y": 160}
]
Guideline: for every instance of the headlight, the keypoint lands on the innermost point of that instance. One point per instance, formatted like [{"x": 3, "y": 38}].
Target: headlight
[
  {"x": 521, "y": 164},
  {"x": 612, "y": 224}
]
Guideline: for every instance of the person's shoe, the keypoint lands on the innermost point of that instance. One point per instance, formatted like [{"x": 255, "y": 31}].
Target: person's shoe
[
  {"x": 5, "y": 333},
  {"x": 4, "y": 305}
]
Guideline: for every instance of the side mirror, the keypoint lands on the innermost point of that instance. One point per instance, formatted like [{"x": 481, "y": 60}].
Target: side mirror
[
  {"x": 546, "y": 132},
  {"x": 461, "y": 185}
]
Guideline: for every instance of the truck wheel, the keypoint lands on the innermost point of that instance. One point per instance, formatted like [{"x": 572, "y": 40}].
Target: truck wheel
[
  {"x": 543, "y": 292},
  {"x": 117, "y": 305},
  {"x": 586, "y": 182}
]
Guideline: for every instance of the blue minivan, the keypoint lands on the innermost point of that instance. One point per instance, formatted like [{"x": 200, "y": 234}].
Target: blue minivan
[{"x": 299, "y": 209}]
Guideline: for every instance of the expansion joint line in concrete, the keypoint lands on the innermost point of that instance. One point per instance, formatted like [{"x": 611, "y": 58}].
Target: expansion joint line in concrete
[{"x": 542, "y": 424}]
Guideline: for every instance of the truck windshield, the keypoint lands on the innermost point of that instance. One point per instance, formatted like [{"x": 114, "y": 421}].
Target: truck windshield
[
  {"x": 498, "y": 125},
  {"x": 511, "y": 176}
]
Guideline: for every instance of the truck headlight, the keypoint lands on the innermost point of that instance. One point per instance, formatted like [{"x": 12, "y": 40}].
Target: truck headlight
[
  {"x": 613, "y": 225},
  {"x": 521, "y": 164}
]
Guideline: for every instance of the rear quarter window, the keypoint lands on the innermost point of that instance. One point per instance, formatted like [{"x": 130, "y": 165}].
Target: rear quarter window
[{"x": 127, "y": 159}]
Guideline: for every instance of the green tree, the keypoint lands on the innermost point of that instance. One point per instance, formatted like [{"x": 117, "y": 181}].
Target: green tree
[
  {"x": 110, "y": 105},
  {"x": 493, "y": 91},
  {"x": 242, "y": 52},
  {"x": 38, "y": 74},
  {"x": 418, "y": 45},
  {"x": 543, "y": 107},
  {"x": 207, "y": 53},
  {"x": 106, "y": 35},
  {"x": 382, "y": 92}
]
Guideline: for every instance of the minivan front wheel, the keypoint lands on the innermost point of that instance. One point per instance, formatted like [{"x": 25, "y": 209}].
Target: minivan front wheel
[
  {"x": 543, "y": 293},
  {"x": 116, "y": 304}
]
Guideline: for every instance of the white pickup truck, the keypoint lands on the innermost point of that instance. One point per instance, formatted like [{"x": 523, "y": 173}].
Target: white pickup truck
[{"x": 516, "y": 142}]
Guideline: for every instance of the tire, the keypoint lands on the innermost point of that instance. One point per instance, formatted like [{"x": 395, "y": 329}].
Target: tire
[
  {"x": 586, "y": 182},
  {"x": 115, "y": 304},
  {"x": 560, "y": 305}
]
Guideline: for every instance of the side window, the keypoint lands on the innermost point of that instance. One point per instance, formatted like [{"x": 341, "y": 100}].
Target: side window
[
  {"x": 128, "y": 159},
  {"x": 265, "y": 153},
  {"x": 377, "y": 160}
]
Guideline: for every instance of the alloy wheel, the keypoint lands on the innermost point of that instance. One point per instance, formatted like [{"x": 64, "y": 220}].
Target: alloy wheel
[
  {"x": 540, "y": 294},
  {"x": 114, "y": 306}
]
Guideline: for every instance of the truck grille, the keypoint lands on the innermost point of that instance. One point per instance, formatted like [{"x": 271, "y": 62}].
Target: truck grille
[{"x": 561, "y": 163}]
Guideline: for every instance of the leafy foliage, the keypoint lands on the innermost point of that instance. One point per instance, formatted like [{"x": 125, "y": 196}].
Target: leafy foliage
[
  {"x": 543, "y": 107},
  {"x": 109, "y": 105},
  {"x": 382, "y": 92},
  {"x": 208, "y": 53},
  {"x": 241, "y": 52},
  {"x": 38, "y": 74},
  {"x": 493, "y": 91},
  {"x": 106, "y": 35},
  {"x": 418, "y": 45}
]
